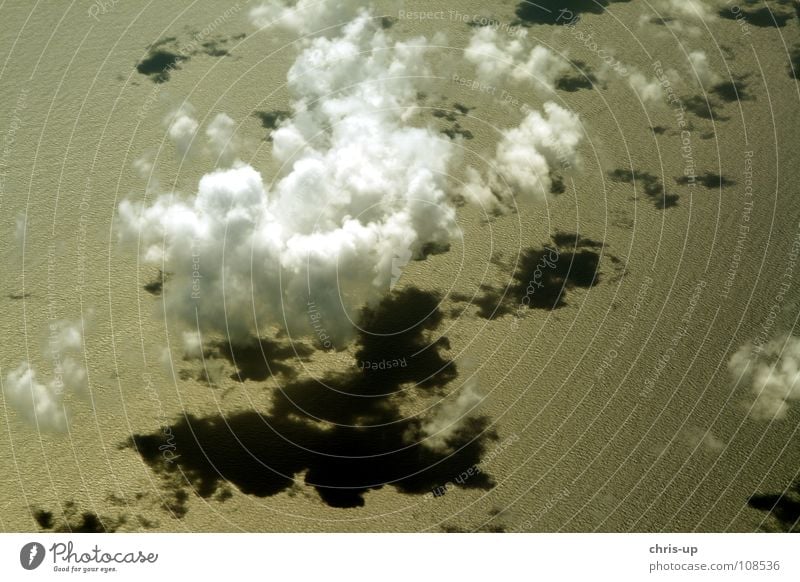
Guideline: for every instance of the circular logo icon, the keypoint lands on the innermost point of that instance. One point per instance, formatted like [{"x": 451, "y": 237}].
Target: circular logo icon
[{"x": 31, "y": 555}]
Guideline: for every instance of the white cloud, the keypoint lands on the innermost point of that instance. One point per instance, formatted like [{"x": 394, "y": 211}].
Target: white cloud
[
  {"x": 143, "y": 166},
  {"x": 221, "y": 133},
  {"x": 450, "y": 416},
  {"x": 703, "y": 438},
  {"x": 38, "y": 404},
  {"x": 648, "y": 91},
  {"x": 181, "y": 128},
  {"x": 306, "y": 16},
  {"x": 498, "y": 58},
  {"x": 772, "y": 372},
  {"x": 698, "y": 61},
  {"x": 360, "y": 187},
  {"x": 703, "y": 10},
  {"x": 41, "y": 403},
  {"x": 525, "y": 157}
]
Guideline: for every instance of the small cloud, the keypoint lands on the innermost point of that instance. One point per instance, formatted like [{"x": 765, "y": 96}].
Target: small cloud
[
  {"x": 772, "y": 372},
  {"x": 499, "y": 58},
  {"x": 221, "y": 134},
  {"x": 450, "y": 416},
  {"x": 182, "y": 127},
  {"x": 41, "y": 402},
  {"x": 698, "y": 61}
]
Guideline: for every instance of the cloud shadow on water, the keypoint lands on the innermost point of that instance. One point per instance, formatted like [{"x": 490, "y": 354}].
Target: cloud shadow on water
[
  {"x": 543, "y": 277},
  {"x": 558, "y": 12},
  {"x": 783, "y": 509},
  {"x": 650, "y": 184},
  {"x": 345, "y": 432},
  {"x": 708, "y": 180},
  {"x": 764, "y": 17},
  {"x": 74, "y": 521},
  {"x": 261, "y": 358},
  {"x": 581, "y": 78}
]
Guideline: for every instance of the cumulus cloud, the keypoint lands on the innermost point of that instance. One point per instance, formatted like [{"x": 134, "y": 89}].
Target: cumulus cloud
[
  {"x": 181, "y": 128},
  {"x": 685, "y": 17},
  {"x": 525, "y": 157},
  {"x": 360, "y": 188},
  {"x": 772, "y": 372},
  {"x": 450, "y": 417},
  {"x": 38, "y": 404},
  {"x": 698, "y": 60},
  {"x": 143, "y": 166},
  {"x": 41, "y": 403},
  {"x": 305, "y": 16},
  {"x": 703, "y": 10},
  {"x": 649, "y": 91},
  {"x": 499, "y": 58},
  {"x": 221, "y": 134}
]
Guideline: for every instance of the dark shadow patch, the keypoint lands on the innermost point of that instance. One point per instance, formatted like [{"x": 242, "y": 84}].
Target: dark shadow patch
[
  {"x": 18, "y": 296},
  {"x": 432, "y": 249},
  {"x": 649, "y": 183},
  {"x": 783, "y": 509},
  {"x": 453, "y": 115},
  {"x": 457, "y": 130},
  {"x": 543, "y": 278},
  {"x": 156, "y": 286},
  {"x": 387, "y": 22},
  {"x": 158, "y": 65},
  {"x": 74, "y": 521},
  {"x": 166, "y": 55},
  {"x": 582, "y": 78},
  {"x": 794, "y": 63},
  {"x": 445, "y": 114},
  {"x": 730, "y": 91},
  {"x": 661, "y": 20},
  {"x": 558, "y": 12},
  {"x": 557, "y": 185},
  {"x": 707, "y": 180},
  {"x": 762, "y": 17},
  {"x": 260, "y": 359},
  {"x": 270, "y": 120},
  {"x": 213, "y": 48},
  {"x": 44, "y": 518},
  {"x": 704, "y": 108},
  {"x": 568, "y": 239},
  {"x": 660, "y": 129},
  {"x": 347, "y": 432}
]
